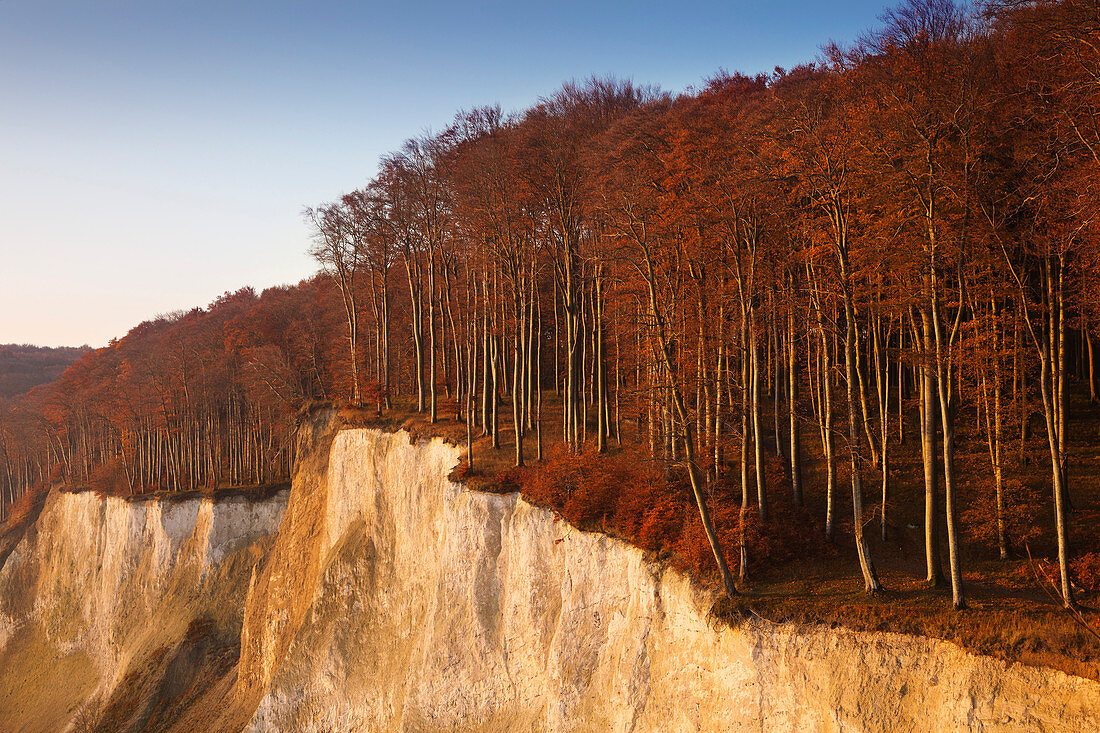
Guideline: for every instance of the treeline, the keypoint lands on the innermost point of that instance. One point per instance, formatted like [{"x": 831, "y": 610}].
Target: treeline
[
  {"x": 903, "y": 233},
  {"x": 186, "y": 401}
]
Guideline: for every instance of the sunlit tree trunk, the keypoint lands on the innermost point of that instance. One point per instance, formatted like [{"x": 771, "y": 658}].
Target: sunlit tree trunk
[
  {"x": 870, "y": 577},
  {"x": 882, "y": 388},
  {"x": 929, "y": 408},
  {"x": 825, "y": 411},
  {"x": 686, "y": 424},
  {"x": 1091, "y": 366},
  {"x": 757, "y": 431},
  {"x": 792, "y": 411}
]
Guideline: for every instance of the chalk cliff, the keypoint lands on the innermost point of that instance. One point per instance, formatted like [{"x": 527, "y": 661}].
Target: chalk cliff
[
  {"x": 387, "y": 598},
  {"x": 438, "y": 608},
  {"x": 113, "y": 603}
]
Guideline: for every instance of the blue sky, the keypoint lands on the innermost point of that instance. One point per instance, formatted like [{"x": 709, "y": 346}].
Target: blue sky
[{"x": 155, "y": 154}]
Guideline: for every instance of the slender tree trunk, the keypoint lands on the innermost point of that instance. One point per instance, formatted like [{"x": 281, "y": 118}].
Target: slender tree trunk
[
  {"x": 757, "y": 432},
  {"x": 870, "y": 577},
  {"x": 865, "y": 413},
  {"x": 719, "y": 367},
  {"x": 1060, "y": 365},
  {"x": 433, "y": 414},
  {"x": 538, "y": 377},
  {"x": 780, "y": 382},
  {"x": 825, "y": 409},
  {"x": 1091, "y": 366},
  {"x": 688, "y": 437},
  {"x": 557, "y": 348},
  {"x": 792, "y": 412},
  {"x": 744, "y": 448},
  {"x": 882, "y": 388},
  {"x": 517, "y": 372},
  {"x": 471, "y": 384},
  {"x": 599, "y": 367},
  {"x": 933, "y": 569},
  {"x": 1060, "y": 373},
  {"x": 947, "y": 422},
  {"x": 1042, "y": 340},
  {"x": 486, "y": 379},
  {"x": 413, "y": 270},
  {"x": 386, "y": 341},
  {"x": 993, "y": 424},
  {"x": 1049, "y": 412}
]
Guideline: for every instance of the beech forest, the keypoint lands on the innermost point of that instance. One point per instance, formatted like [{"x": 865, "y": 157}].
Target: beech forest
[{"x": 808, "y": 311}]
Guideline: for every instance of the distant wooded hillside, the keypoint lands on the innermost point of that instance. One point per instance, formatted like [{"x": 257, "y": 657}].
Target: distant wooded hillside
[{"x": 23, "y": 367}]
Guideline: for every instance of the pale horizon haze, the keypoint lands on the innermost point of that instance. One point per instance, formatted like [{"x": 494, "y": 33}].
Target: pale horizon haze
[{"x": 156, "y": 154}]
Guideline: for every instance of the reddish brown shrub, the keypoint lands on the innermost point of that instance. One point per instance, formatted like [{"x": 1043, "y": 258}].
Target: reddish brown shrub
[
  {"x": 109, "y": 479},
  {"x": 1023, "y": 503},
  {"x": 511, "y": 479},
  {"x": 1086, "y": 571},
  {"x": 645, "y": 501},
  {"x": 662, "y": 525},
  {"x": 614, "y": 492},
  {"x": 628, "y": 494},
  {"x": 789, "y": 535}
]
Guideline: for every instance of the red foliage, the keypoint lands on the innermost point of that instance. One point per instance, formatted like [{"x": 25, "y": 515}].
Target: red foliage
[
  {"x": 1023, "y": 503},
  {"x": 510, "y": 479},
  {"x": 1086, "y": 571},
  {"x": 629, "y": 495},
  {"x": 585, "y": 487},
  {"x": 109, "y": 479},
  {"x": 790, "y": 534},
  {"x": 622, "y": 493},
  {"x": 24, "y": 506}
]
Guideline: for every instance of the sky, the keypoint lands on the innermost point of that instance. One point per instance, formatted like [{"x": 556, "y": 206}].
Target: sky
[{"x": 157, "y": 153}]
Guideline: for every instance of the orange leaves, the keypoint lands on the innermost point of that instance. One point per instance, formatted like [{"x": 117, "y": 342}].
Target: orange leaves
[
  {"x": 628, "y": 495},
  {"x": 1086, "y": 571},
  {"x": 612, "y": 492}
]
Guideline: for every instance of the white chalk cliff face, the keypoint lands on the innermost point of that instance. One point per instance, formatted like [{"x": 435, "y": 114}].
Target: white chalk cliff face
[
  {"x": 99, "y": 589},
  {"x": 386, "y": 598},
  {"x": 429, "y": 607}
]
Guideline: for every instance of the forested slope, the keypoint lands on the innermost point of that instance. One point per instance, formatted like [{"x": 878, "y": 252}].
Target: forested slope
[{"x": 23, "y": 367}]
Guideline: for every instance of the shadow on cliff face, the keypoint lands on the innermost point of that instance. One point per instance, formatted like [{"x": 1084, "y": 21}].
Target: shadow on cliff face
[
  {"x": 223, "y": 696},
  {"x": 189, "y": 647},
  {"x": 281, "y": 591},
  {"x": 210, "y": 677},
  {"x": 184, "y": 663},
  {"x": 159, "y": 687}
]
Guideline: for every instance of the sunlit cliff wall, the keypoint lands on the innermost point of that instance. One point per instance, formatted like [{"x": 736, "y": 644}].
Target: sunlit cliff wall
[{"x": 431, "y": 607}]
